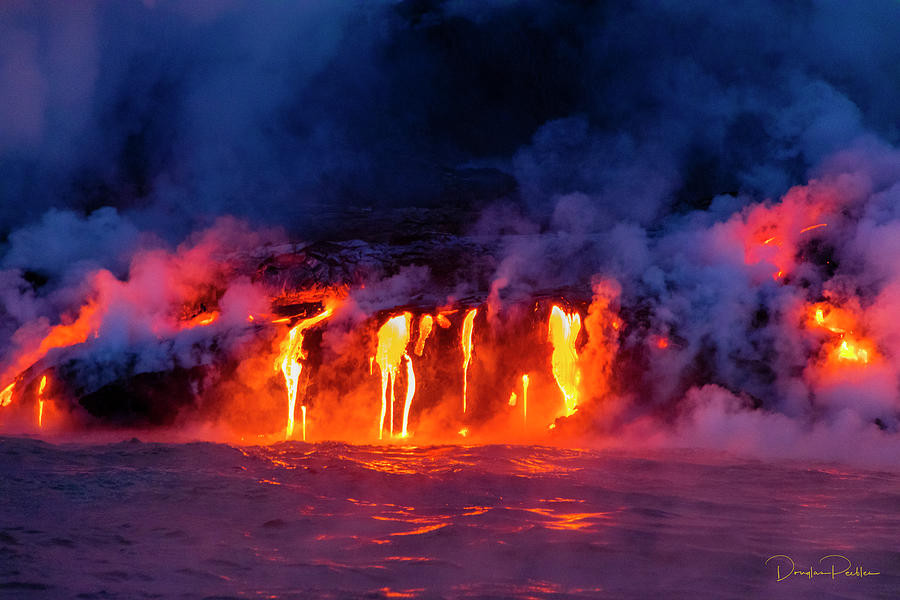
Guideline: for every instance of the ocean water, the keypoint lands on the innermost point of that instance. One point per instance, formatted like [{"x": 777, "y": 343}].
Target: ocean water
[{"x": 294, "y": 520}]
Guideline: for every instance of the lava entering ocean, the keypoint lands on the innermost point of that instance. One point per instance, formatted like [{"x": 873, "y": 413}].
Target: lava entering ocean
[{"x": 761, "y": 313}]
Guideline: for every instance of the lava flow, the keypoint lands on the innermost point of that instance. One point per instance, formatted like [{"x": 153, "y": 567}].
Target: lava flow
[
  {"x": 6, "y": 394},
  {"x": 393, "y": 338},
  {"x": 41, "y": 387},
  {"x": 466, "y": 344},
  {"x": 290, "y": 362},
  {"x": 564, "y": 329},
  {"x": 844, "y": 345},
  {"x": 426, "y": 323}
]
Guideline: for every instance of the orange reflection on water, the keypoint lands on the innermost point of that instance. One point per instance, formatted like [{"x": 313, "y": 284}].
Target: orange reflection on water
[
  {"x": 421, "y": 530},
  {"x": 570, "y": 521},
  {"x": 410, "y": 593}
]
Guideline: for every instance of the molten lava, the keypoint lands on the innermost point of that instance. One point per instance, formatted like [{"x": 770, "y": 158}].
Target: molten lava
[
  {"x": 466, "y": 343},
  {"x": 41, "y": 387},
  {"x": 563, "y": 332},
  {"x": 393, "y": 338},
  {"x": 845, "y": 347},
  {"x": 6, "y": 394},
  {"x": 289, "y": 361},
  {"x": 849, "y": 350},
  {"x": 410, "y": 392},
  {"x": 524, "y": 400},
  {"x": 202, "y": 319},
  {"x": 59, "y": 336},
  {"x": 426, "y": 323}
]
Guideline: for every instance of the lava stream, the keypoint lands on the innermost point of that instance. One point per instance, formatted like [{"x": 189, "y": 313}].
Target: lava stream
[
  {"x": 289, "y": 361},
  {"x": 466, "y": 343},
  {"x": 563, "y": 332},
  {"x": 393, "y": 338}
]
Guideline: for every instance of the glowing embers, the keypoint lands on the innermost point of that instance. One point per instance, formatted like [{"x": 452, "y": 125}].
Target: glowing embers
[
  {"x": 563, "y": 332},
  {"x": 466, "y": 344},
  {"x": 289, "y": 360},
  {"x": 393, "y": 338},
  {"x": 844, "y": 347}
]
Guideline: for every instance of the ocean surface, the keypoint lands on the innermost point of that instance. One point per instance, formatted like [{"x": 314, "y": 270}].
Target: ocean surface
[{"x": 294, "y": 520}]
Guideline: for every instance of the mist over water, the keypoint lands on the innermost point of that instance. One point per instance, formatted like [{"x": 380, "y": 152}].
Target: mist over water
[{"x": 347, "y": 521}]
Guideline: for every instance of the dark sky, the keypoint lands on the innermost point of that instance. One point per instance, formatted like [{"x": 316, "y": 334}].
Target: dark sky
[{"x": 177, "y": 112}]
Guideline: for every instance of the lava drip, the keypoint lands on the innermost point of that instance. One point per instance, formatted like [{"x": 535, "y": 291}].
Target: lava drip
[
  {"x": 466, "y": 344},
  {"x": 393, "y": 338},
  {"x": 289, "y": 361},
  {"x": 563, "y": 332}
]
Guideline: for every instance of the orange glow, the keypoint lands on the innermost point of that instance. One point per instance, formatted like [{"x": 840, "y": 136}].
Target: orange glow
[
  {"x": 842, "y": 322},
  {"x": 849, "y": 350},
  {"x": 811, "y": 227},
  {"x": 466, "y": 343},
  {"x": 513, "y": 399},
  {"x": 410, "y": 392},
  {"x": 524, "y": 399},
  {"x": 6, "y": 394},
  {"x": 60, "y": 336},
  {"x": 443, "y": 321},
  {"x": 289, "y": 360},
  {"x": 393, "y": 338},
  {"x": 563, "y": 332},
  {"x": 204, "y": 318},
  {"x": 41, "y": 387},
  {"x": 426, "y": 323},
  {"x": 836, "y": 320},
  {"x": 464, "y": 431},
  {"x": 662, "y": 343},
  {"x": 303, "y": 410}
]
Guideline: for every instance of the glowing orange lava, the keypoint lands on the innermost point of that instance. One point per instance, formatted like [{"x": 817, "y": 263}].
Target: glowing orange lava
[
  {"x": 59, "y": 336},
  {"x": 6, "y": 394},
  {"x": 289, "y": 360},
  {"x": 204, "y": 318},
  {"x": 466, "y": 343},
  {"x": 410, "y": 392},
  {"x": 524, "y": 400},
  {"x": 811, "y": 227},
  {"x": 563, "y": 332},
  {"x": 426, "y": 323},
  {"x": 849, "y": 350},
  {"x": 842, "y": 322},
  {"x": 393, "y": 338},
  {"x": 41, "y": 387},
  {"x": 303, "y": 410}
]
